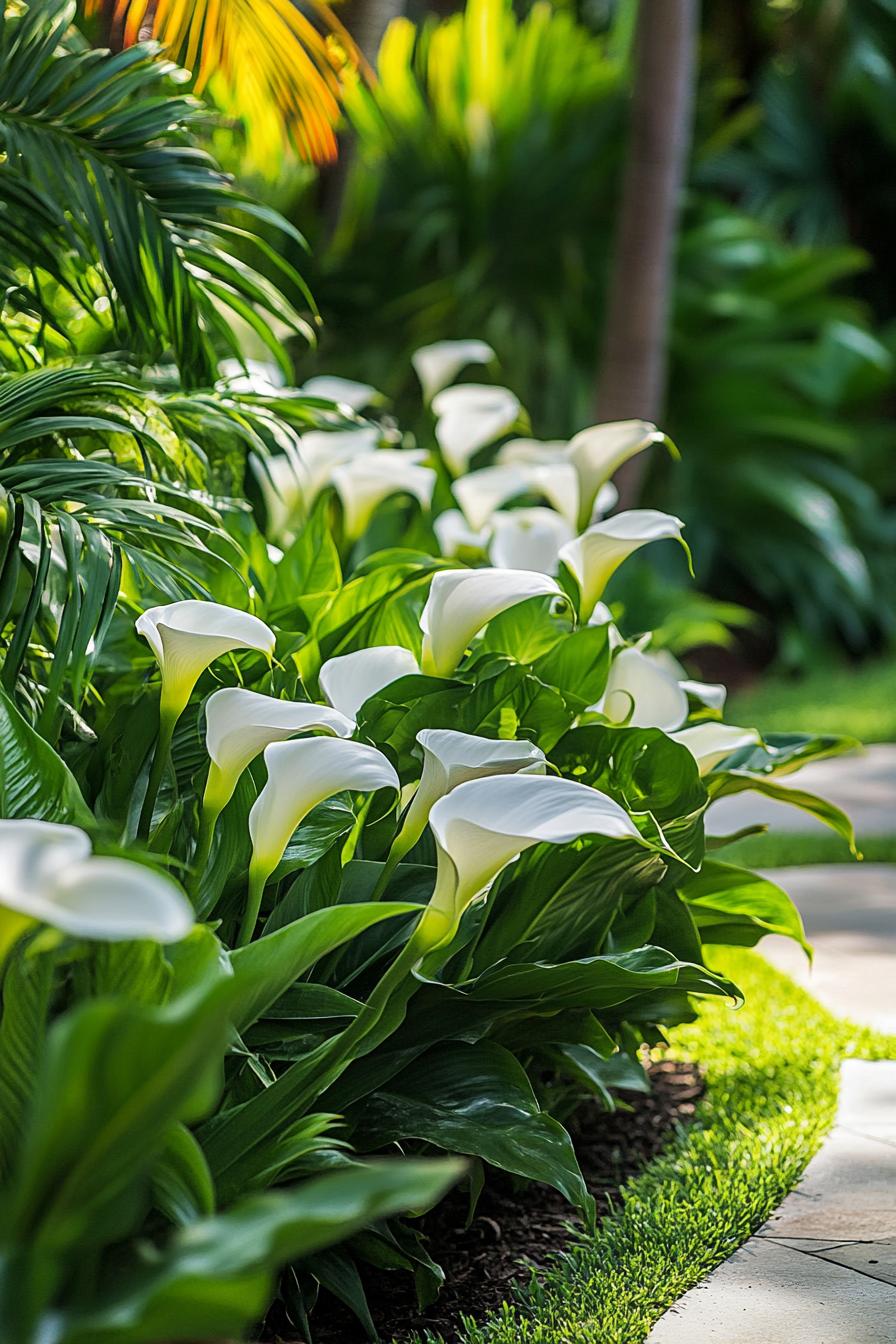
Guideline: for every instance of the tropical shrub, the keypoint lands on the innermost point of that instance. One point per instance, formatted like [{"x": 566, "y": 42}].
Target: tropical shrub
[
  {"x": 329, "y": 858},
  {"x": 466, "y": 176}
]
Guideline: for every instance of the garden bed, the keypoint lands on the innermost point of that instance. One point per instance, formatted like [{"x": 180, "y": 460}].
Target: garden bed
[{"x": 518, "y": 1228}]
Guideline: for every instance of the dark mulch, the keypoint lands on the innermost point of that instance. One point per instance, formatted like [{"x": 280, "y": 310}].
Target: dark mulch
[{"x": 517, "y": 1222}]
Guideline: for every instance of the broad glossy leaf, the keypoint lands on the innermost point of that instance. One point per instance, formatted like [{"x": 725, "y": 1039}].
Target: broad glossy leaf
[
  {"x": 34, "y": 780},
  {"x": 821, "y": 808},
  {"x": 475, "y": 1099},
  {"x": 736, "y": 906}
]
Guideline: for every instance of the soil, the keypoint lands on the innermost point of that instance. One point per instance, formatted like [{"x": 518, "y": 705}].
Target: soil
[{"x": 517, "y": 1228}]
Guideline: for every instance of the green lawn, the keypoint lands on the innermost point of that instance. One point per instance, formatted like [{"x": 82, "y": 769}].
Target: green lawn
[
  {"x": 860, "y": 701},
  {"x": 772, "y": 1070}
]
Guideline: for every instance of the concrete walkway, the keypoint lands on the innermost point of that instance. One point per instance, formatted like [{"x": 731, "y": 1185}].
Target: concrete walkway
[{"x": 823, "y": 1268}]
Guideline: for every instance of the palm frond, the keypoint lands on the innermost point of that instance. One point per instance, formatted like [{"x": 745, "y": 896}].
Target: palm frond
[
  {"x": 105, "y": 191},
  {"x": 265, "y": 61}
]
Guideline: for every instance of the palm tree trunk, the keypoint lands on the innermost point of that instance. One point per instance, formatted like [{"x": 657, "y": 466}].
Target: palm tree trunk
[{"x": 632, "y": 377}]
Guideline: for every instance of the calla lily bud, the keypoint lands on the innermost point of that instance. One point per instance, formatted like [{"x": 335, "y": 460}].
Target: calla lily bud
[
  {"x": 364, "y": 482},
  {"x": 483, "y": 825},
  {"x": 439, "y": 364},
  {"x": 451, "y": 758},
  {"x": 469, "y": 417},
  {"x": 186, "y": 637},
  {"x": 481, "y": 493},
  {"x": 642, "y": 692},
  {"x": 48, "y": 875},
  {"x": 301, "y": 774},
  {"x": 344, "y": 391},
  {"x": 348, "y": 681},
  {"x": 462, "y": 601},
  {"x": 712, "y": 743},
  {"x": 241, "y": 723},
  {"x": 599, "y": 451},
  {"x": 594, "y": 557},
  {"x": 528, "y": 539},
  {"x": 454, "y": 534}
]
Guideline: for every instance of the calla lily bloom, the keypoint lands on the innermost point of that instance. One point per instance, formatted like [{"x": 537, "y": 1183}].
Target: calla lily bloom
[
  {"x": 483, "y": 825},
  {"x": 48, "y": 875},
  {"x": 239, "y": 724},
  {"x": 469, "y": 417},
  {"x": 455, "y": 535},
  {"x": 642, "y": 692},
  {"x": 284, "y": 484},
  {"x": 595, "y": 556},
  {"x": 599, "y": 451},
  {"x": 186, "y": 637},
  {"x": 712, "y": 694},
  {"x": 712, "y": 743},
  {"x": 528, "y": 539},
  {"x": 451, "y": 758},
  {"x": 439, "y": 364},
  {"x": 462, "y": 601},
  {"x": 364, "y": 482},
  {"x": 481, "y": 493},
  {"x": 302, "y": 774},
  {"x": 322, "y": 451},
  {"x": 344, "y": 391},
  {"x": 348, "y": 681},
  {"x": 258, "y": 377}
]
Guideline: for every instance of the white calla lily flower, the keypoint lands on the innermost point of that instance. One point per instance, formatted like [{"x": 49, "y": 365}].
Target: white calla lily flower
[
  {"x": 451, "y": 758},
  {"x": 462, "y": 601},
  {"x": 48, "y": 874},
  {"x": 344, "y": 391},
  {"x": 438, "y": 364},
  {"x": 483, "y": 825},
  {"x": 607, "y": 499},
  {"x": 481, "y": 493},
  {"x": 349, "y": 680},
  {"x": 321, "y": 451},
  {"x": 364, "y": 482},
  {"x": 455, "y": 535},
  {"x": 595, "y": 556},
  {"x": 712, "y": 694},
  {"x": 186, "y": 637},
  {"x": 258, "y": 377},
  {"x": 470, "y": 416},
  {"x": 599, "y": 451},
  {"x": 643, "y": 692},
  {"x": 284, "y": 484},
  {"x": 712, "y": 743},
  {"x": 239, "y": 724},
  {"x": 301, "y": 774},
  {"x": 548, "y": 452},
  {"x": 528, "y": 539}
]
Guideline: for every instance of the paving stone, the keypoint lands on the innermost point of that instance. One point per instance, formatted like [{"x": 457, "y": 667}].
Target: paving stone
[
  {"x": 863, "y": 784},
  {"x": 850, "y": 915},
  {"x": 868, "y": 1098},
  {"x": 877, "y": 1259},
  {"x": 767, "y": 1293},
  {"x": 846, "y": 1194}
]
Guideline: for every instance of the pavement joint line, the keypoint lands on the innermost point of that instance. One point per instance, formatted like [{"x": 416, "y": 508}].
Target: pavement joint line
[
  {"x": 817, "y": 1255},
  {"x": 861, "y": 1134}
]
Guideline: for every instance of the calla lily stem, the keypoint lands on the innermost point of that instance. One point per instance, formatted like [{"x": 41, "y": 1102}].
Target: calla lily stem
[{"x": 167, "y": 722}]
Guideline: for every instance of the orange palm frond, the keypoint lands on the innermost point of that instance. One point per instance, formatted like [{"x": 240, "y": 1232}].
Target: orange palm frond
[{"x": 265, "y": 61}]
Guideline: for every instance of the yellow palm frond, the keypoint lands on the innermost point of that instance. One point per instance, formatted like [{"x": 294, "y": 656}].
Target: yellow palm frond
[{"x": 265, "y": 60}]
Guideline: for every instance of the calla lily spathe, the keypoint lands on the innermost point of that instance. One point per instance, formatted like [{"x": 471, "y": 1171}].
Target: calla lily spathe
[
  {"x": 599, "y": 451},
  {"x": 455, "y": 535},
  {"x": 470, "y": 416},
  {"x": 712, "y": 743},
  {"x": 595, "y": 556},
  {"x": 528, "y": 539},
  {"x": 344, "y": 391},
  {"x": 301, "y": 774},
  {"x": 348, "y": 681},
  {"x": 49, "y": 875},
  {"x": 284, "y": 484},
  {"x": 462, "y": 601},
  {"x": 642, "y": 692},
  {"x": 364, "y": 482},
  {"x": 322, "y": 451},
  {"x": 451, "y": 758},
  {"x": 186, "y": 637},
  {"x": 239, "y": 724},
  {"x": 257, "y": 377},
  {"x": 483, "y": 825},
  {"x": 438, "y": 364},
  {"x": 481, "y": 493}
]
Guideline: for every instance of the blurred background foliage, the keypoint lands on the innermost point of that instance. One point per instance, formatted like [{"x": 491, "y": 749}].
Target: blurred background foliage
[{"x": 476, "y": 193}]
